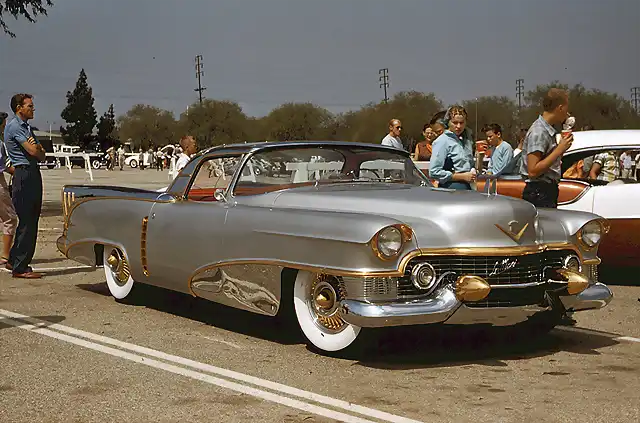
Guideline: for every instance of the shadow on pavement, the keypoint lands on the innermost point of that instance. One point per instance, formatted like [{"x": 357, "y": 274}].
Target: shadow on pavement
[
  {"x": 49, "y": 260},
  {"x": 207, "y": 312},
  {"x": 439, "y": 346},
  {"x": 65, "y": 272},
  {"x": 621, "y": 276},
  {"x": 48, "y": 320}
]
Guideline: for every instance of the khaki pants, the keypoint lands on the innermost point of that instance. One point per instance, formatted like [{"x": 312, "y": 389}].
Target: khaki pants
[{"x": 8, "y": 216}]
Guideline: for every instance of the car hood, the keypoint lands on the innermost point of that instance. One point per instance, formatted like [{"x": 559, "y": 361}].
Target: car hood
[{"x": 439, "y": 217}]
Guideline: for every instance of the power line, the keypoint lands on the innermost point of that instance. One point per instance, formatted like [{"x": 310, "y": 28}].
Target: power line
[
  {"x": 199, "y": 73},
  {"x": 385, "y": 82},
  {"x": 635, "y": 98},
  {"x": 520, "y": 91}
]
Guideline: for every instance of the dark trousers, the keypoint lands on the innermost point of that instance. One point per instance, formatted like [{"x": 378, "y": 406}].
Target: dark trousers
[
  {"x": 455, "y": 185},
  {"x": 541, "y": 194},
  {"x": 27, "y": 200}
]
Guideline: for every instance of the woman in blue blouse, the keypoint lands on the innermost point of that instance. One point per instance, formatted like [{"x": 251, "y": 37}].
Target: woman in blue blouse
[{"x": 452, "y": 157}]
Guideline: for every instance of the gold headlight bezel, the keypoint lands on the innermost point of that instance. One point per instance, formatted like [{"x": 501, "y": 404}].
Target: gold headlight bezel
[
  {"x": 406, "y": 235},
  {"x": 604, "y": 228}
]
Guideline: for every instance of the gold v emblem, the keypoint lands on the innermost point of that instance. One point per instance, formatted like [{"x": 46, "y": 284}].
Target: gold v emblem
[{"x": 514, "y": 236}]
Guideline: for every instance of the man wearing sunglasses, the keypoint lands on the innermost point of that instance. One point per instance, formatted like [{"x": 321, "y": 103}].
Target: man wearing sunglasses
[
  {"x": 393, "y": 137},
  {"x": 24, "y": 152}
]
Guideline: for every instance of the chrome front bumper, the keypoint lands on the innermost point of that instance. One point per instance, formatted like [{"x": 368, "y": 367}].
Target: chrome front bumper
[{"x": 444, "y": 307}]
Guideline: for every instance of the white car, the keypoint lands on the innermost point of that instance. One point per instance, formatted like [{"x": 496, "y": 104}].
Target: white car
[{"x": 618, "y": 201}]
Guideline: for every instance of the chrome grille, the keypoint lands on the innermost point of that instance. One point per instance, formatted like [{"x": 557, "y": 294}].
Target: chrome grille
[
  {"x": 497, "y": 270},
  {"x": 527, "y": 269}
]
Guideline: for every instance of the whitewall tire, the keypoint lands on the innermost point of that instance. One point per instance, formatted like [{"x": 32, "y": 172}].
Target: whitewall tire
[
  {"x": 117, "y": 272},
  {"x": 316, "y": 302}
]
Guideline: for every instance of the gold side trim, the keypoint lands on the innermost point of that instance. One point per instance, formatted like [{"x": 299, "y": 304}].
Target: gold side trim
[
  {"x": 592, "y": 262},
  {"x": 143, "y": 246},
  {"x": 471, "y": 251}
]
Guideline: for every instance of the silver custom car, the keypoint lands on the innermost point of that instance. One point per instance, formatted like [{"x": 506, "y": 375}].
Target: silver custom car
[{"x": 342, "y": 238}]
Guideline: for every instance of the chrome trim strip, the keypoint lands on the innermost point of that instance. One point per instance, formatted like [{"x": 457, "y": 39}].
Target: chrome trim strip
[
  {"x": 444, "y": 307},
  {"x": 519, "y": 285},
  {"x": 435, "y": 309},
  {"x": 594, "y": 297}
]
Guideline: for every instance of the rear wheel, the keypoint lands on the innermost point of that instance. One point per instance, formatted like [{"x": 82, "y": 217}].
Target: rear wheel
[
  {"x": 117, "y": 272},
  {"x": 316, "y": 300},
  {"x": 133, "y": 163}
]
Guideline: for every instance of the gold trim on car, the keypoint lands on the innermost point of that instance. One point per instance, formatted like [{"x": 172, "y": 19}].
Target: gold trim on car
[
  {"x": 143, "y": 246},
  {"x": 400, "y": 271},
  {"x": 406, "y": 233}
]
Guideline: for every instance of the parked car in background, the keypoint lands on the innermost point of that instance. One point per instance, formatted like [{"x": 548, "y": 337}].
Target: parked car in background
[
  {"x": 617, "y": 201},
  {"x": 347, "y": 237}
]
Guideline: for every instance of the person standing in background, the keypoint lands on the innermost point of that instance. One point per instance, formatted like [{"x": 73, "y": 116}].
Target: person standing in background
[
  {"x": 189, "y": 148},
  {"x": 392, "y": 139},
  {"x": 542, "y": 155},
  {"x": 452, "y": 162},
  {"x": 501, "y": 161},
  {"x": 25, "y": 152},
  {"x": 424, "y": 148},
  {"x": 8, "y": 216},
  {"x": 121, "y": 156}
]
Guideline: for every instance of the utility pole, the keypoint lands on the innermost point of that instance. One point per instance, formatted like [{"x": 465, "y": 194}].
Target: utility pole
[
  {"x": 199, "y": 73},
  {"x": 635, "y": 98},
  {"x": 520, "y": 91},
  {"x": 385, "y": 82}
]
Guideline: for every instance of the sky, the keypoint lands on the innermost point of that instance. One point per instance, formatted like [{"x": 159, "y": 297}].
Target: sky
[{"x": 262, "y": 53}]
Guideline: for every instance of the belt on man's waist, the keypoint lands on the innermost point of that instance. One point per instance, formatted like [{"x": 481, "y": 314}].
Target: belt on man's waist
[
  {"x": 541, "y": 181},
  {"x": 24, "y": 166}
]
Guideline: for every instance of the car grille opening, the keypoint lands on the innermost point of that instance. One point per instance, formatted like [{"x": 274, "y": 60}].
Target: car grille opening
[{"x": 497, "y": 270}]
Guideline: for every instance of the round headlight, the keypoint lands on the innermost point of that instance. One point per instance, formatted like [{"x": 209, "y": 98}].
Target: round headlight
[
  {"x": 390, "y": 241},
  {"x": 572, "y": 262},
  {"x": 423, "y": 276},
  {"x": 590, "y": 234}
]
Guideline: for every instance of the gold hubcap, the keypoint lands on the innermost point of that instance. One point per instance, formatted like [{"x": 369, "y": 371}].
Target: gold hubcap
[
  {"x": 326, "y": 293},
  {"x": 119, "y": 267},
  {"x": 324, "y": 300}
]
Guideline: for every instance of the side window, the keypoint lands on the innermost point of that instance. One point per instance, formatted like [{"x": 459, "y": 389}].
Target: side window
[{"x": 211, "y": 176}]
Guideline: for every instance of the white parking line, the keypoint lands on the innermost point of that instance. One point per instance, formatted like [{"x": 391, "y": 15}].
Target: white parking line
[
  {"x": 231, "y": 344},
  {"x": 37, "y": 326},
  {"x": 627, "y": 338},
  {"x": 589, "y": 331}
]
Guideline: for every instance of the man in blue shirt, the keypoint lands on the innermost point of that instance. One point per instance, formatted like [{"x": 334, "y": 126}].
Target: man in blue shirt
[
  {"x": 24, "y": 152},
  {"x": 542, "y": 155},
  {"x": 501, "y": 161},
  {"x": 8, "y": 216}
]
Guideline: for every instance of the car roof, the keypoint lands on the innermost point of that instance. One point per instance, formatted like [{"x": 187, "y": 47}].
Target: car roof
[
  {"x": 242, "y": 148},
  {"x": 619, "y": 139}
]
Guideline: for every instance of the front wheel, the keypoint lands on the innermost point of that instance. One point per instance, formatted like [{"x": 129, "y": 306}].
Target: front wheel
[
  {"x": 316, "y": 299},
  {"x": 117, "y": 272},
  {"x": 96, "y": 164},
  {"x": 133, "y": 164}
]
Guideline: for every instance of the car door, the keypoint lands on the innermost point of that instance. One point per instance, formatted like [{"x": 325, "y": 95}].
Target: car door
[{"x": 189, "y": 233}]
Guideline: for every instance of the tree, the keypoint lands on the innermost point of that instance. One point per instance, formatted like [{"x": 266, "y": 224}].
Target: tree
[
  {"x": 28, "y": 9},
  {"x": 298, "y": 121},
  {"x": 500, "y": 110},
  {"x": 589, "y": 106},
  {"x": 371, "y": 122},
  {"x": 79, "y": 113},
  {"x": 215, "y": 122},
  {"x": 107, "y": 125},
  {"x": 147, "y": 126}
]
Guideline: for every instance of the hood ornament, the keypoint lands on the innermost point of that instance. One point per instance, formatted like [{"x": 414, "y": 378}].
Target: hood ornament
[{"x": 511, "y": 233}]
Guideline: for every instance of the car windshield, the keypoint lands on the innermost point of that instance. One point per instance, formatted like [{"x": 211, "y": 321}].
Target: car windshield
[{"x": 276, "y": 169}]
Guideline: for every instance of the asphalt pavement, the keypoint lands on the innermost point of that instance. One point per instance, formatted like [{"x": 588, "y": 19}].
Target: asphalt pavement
[{"x": 71, "y": 353}]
